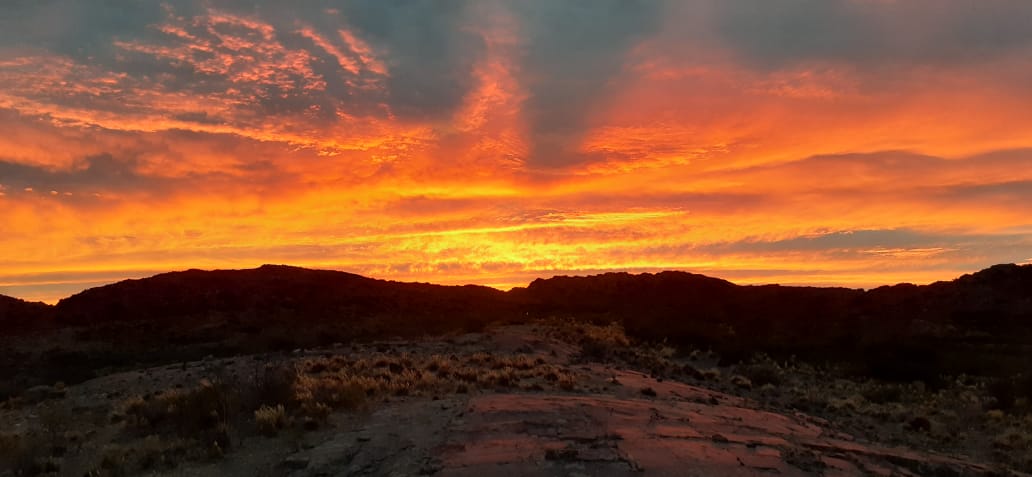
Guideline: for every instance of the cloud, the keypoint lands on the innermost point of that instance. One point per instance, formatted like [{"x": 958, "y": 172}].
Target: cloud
[
  {"x": 782, "y": 32},
  {"x": 573, "y": 53},
  {"x": 92, "y": 174},
  {"x": 431, "y": 51},
  {"x": 841, "y": 141}
]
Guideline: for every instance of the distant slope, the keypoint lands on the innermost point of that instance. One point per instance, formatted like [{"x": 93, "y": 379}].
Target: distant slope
[
  {"x": 275, "y": 291},
  {"x": 673, "y": 305},
  {"x": 22, "y": 315},
  {"x": 665, "y": 304},
  {"x": 684, "y": 306},
  {"x": 975, "y": 323}
]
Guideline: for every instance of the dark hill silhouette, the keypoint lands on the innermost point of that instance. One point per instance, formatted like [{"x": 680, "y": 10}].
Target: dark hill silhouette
[
  {"x": 666, "y": 304},
  {"x": 680, "y": 305},
  {"x": 18, "y": 314},
  {"x": 901, "y": 331},
  {"x": 673, "y": 305},
  {"x": 293, "y": 293}
]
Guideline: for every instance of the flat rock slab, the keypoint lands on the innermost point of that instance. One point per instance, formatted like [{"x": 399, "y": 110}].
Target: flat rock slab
[
  {"x": 682, "y": 431},
  {"x": 540, "y": 434}
]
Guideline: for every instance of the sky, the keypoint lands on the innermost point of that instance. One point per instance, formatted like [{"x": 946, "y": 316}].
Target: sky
[{"x": 820, "y": 142}]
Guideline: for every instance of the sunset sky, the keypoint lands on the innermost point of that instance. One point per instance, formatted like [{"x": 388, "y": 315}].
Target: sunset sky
[{"x": 846, "y": 142}]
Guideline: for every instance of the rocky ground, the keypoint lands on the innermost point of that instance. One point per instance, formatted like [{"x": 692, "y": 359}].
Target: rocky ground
[{"x": 555, "y": 398}]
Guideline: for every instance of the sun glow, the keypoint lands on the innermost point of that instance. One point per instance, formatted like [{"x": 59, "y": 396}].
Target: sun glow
[{"x": 488, "y": 146}]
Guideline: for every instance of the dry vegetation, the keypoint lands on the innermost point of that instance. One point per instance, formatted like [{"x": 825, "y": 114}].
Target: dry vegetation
[
  {"x": 204, "y": 419},
  {"x": 970, "y": 415},
  {"x": 209, "y": 409}
]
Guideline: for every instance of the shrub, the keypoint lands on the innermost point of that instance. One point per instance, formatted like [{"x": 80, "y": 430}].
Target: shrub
[
  {"x": 761, "y": 374},
  {"x": 567, "y": 382},
  {"x": 1004, "y": 392},
  {"x": 318, "y": 411},
  {"x": 691, "y": 372},
  {"x": 601, "y": 342},
  {"x": 26, "y": 454},
  {"x": 711, "y": 374},
  {"x": 741, "y": 381},
  {"x": 920, "y": 423},
  {"x": 153, "y": 452},
  {"x": 201, "y": 413},
  {"x": 883, "y": 393},
  {"x": 1012, "y": 439},
  {"x": 339, "y": 392},
  {"x": 273, "y": 385},
  {"x": 270, "y": 420},
  {"x": 905, "y": 364}
]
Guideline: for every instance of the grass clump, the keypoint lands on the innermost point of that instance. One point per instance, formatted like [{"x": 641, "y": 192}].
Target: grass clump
[
  {"x": 200, "y": 415},
  {"x": 27, "y": 454},
  {"x": 270, "y": 420},
  {"x": 602, "y": 342}
]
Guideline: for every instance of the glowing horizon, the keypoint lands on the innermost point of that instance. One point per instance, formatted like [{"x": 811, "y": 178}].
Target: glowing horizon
[{"x": 823, "y": 142}]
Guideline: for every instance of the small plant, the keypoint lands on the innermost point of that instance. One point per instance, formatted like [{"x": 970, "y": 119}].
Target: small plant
[
  {"x": 565, "y": 453},
  {"x": 270, "y": 420},
  {"x": 884, "y": 393},
  {"x": 26, "y": 454},
  {"x": 200, "y": 415},
  {"x": 1004, "y": 392},
  {"x": 920, "y": 424},
  {"x": 317, "y": 412},
  {"x": 995, "y": 415},
  {"x": 760, "y": 374},
  {"x": 567, "y": 382},
  {"x": 602, "y": 342},
  {"x": 273, "y": 385},
  {"x": 339, "y": 392},
  {"x": 1012, "y": 439},
  {"x": 741, "y": 381},
  {"x": 691, "y": 372},
  {"x": 153, "y": 452}
]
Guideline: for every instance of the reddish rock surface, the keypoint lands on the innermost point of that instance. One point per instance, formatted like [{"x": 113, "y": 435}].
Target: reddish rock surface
[
  {"x": 515, "y": 434},
  {"x": 683, "y": 431}
]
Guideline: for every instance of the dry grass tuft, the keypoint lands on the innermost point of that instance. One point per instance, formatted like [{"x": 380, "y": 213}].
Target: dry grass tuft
[{"x": 270, "y": 420}]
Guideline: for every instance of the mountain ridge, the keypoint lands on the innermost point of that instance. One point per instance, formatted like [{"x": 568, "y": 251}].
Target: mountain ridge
[
  {"x": 973, "y": 324},
  {"x": 606, "y": 290}
]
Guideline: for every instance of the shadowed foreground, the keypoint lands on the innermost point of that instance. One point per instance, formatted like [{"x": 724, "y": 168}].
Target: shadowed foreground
[
  {"x": 550, "y": 399},
  {"x": 281, "y": 370}
]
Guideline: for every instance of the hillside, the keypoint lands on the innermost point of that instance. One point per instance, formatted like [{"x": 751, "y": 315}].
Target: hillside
[
  {"x": 282, "y": 307},
  {"x": 276, "y": 292},
  {"x": 20, "y": 315},
  {"x": 673, "y": 305},
  {"x": 288, "y": 371}
]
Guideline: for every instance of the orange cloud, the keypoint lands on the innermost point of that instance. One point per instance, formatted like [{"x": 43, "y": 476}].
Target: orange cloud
[{"x": 219, "y": 139}]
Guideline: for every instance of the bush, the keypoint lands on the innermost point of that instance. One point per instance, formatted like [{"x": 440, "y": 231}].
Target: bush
[
  {"x": 601, "y": 342},
  {"x": 761, "y": 374},
  {"x": 1005, "y": 393},
  {"x": 270, "y": 420},
  {"x": 903, "y": 364},
  {"x": 883, "y": 393},
  {"x": 273, "y": 385},
  {"x": 335, "y": 391},
  {"x": 201, "y": 413},
  {"x": 567, "y": 382},
  {"x": 26, "y": 454}
]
